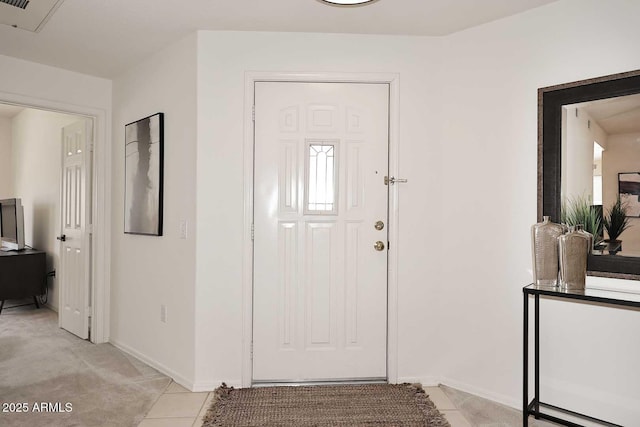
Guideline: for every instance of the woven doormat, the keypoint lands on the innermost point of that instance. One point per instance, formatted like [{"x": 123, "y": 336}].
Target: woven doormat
[{"x": 340, "y": 405}]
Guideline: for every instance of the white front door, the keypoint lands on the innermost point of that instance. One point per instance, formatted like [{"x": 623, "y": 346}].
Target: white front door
[
  {"x": 320, "y": 285},
  {"x": 75, "y": 236}
]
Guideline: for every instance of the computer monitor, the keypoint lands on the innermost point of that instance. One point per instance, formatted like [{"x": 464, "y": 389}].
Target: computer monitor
[{"x": 12, "y": 224}]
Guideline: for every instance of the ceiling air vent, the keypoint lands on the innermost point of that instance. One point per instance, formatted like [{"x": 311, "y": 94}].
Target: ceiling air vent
[
  {"x": 22, "y": 4},
  {"x": 32, "y": 18}
]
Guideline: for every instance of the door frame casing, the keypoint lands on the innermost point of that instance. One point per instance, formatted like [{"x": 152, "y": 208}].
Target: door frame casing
[
  {"x": 251, "y": 78},
  {"x": 100, "y": 204}
]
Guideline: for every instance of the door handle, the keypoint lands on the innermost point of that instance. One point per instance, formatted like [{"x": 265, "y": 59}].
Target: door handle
[
  {"x": 62, "y": 238},
  {"x": 378, "y": 246}
]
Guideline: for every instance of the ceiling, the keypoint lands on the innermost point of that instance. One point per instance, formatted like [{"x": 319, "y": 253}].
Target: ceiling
[
  {"x": 104, "y": 37},
  {"x": 615, "y": 115}
]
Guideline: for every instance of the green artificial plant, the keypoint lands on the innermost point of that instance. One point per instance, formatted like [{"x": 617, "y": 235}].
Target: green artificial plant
[
  {"x": 578, "y": 210},
  {"x": 616, "y": 220}
]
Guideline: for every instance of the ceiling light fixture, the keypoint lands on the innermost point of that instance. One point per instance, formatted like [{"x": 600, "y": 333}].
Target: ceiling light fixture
[{"x": 347, "y": 2}]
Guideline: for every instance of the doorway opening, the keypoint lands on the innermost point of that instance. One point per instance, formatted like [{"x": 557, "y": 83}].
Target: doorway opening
[{"x": 32, "y": 168}]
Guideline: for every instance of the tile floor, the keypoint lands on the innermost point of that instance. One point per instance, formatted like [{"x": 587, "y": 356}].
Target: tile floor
[
  {"x": 446, "y": 406},
  {"x": 481, "y": 412},
  {"x": 178, "y": 407}
]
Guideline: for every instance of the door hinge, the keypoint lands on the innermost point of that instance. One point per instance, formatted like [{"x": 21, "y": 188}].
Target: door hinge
[
  {"x": 251, "y": 351},
  {"x": 253, "y": 113},
  {"x": 388, "y": 245},
  {"x": 253, "y": 231}
]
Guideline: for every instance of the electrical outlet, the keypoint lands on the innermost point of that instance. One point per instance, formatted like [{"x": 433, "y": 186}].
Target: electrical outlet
[
  {"x": 163, "y": 313},
  {"x": 184, "y": 229}
]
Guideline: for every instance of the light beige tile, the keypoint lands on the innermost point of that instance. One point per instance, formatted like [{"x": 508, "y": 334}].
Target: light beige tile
[
  {"x": 198, "y": 422},
  {"x": 176, "y": 388},
  {"x": 438, "y": 397},
  {"x": 206, "y": 404},
  {"x": 203, "y": 411},
  {"x": 456, "y": 419},
  {"x": 178, "y": 405},
  {"x": 167, "y": 422}
]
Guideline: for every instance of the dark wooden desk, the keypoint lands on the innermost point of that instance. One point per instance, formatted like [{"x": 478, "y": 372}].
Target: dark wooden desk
[{"x": 22, "y": 275}]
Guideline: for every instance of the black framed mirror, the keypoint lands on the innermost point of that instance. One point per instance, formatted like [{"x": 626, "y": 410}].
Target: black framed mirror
[{"x": 553, "y": 104}]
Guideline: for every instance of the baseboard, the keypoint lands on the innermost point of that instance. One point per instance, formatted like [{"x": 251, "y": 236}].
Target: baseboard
[
  {"x": 431, "y": 381},
  {"x": 52, "y": 308},
  {"x": 509, "y": 401},
  {"x": 425, "y": 381},
  {"x": 212, "y": 385},
  {"x": 183, "y": 381}
]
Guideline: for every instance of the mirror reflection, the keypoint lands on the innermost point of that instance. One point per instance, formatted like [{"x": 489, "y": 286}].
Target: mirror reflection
[{"x": 600, "y": 183}]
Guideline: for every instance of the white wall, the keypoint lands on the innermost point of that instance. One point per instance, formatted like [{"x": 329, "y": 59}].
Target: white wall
[
  {"x": 223, "y": 59},
  {"x": 150, "y": 271},
  {"x": 19, "y": 79},
  {"x": 468, "y": 144},
  {"x": 6, "y": 170},
  {"x": 36, "y": 142},
  {"x": 577, "y": 153},
  {"x": 622, "y": 155},
  {"x": 589, "y": 353}
]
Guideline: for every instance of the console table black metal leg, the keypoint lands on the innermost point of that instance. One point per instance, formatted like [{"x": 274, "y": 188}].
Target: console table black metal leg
[
  {"x": 525, "y": 359},
  {"x": 1, "y": 305},
  {"x": 537, "y": 355},
  {"x": 35, "y": 300}
]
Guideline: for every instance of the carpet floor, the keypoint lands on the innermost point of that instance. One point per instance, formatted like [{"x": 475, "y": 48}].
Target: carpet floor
[
  {"x": 80, "y": 383},
  {"x": 341, "y": 405}
]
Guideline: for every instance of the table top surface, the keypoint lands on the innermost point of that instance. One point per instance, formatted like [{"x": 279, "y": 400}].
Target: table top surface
[
  {"x": 22, "y": 252},
  {"x": 609, "y": 296}
]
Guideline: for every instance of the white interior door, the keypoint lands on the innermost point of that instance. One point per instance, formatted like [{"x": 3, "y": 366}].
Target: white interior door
[
  {"x": 320, "y": 286},
  {"x": 75, "y": 229}
]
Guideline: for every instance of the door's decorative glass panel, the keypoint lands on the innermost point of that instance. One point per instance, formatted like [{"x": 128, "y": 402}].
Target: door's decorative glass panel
[{"x": 321, "y": 191}]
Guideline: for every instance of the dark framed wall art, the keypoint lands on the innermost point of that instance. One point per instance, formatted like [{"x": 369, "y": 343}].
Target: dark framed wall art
[
  {"x": 143, "y": 164},
  {"x": 629, "y": 192}
]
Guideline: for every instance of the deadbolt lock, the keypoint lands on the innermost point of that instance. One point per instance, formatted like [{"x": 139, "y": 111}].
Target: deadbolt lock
[
  {"x": 379, "y": 246},
  {"x": 379, "y": 225}
]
